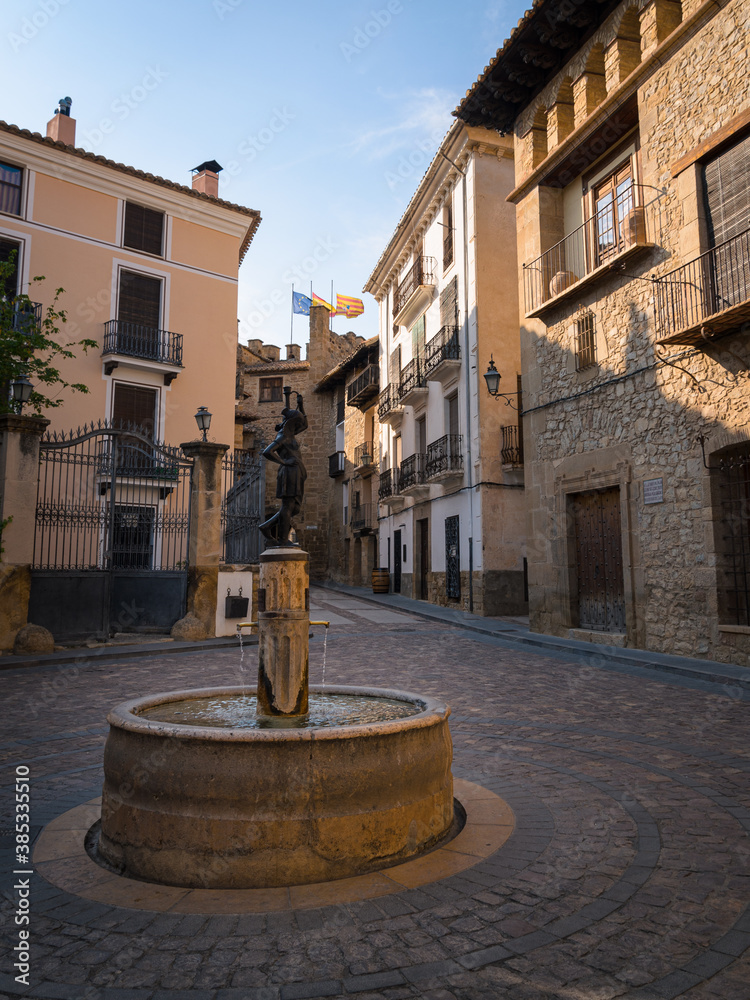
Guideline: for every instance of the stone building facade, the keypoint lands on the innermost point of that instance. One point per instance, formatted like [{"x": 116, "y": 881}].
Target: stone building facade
[
  {"x": 631, "y": 127},
  {"x": 451, "y": 457},
  {"x": 350, "y": 396}
]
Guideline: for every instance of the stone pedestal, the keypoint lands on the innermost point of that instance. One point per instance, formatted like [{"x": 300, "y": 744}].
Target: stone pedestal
[{"x": 283, "y": 623}]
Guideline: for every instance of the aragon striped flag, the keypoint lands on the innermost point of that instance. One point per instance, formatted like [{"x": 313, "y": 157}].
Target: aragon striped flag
[
  {"x": 348, "y": 306},
  {"x": 317, "y": 301}
]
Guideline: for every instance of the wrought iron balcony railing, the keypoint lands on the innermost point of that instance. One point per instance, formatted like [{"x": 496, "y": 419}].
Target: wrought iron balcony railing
[
  {"x": 412, "y": 377},
  {"x": 422, "y": 272},
  {"x": 618, "y": 227},
  {"x": 389, "y": 399},
  {"x": 412, "y": 471},
  {"x": 511, "y": 452},
  {"x": 337, "y": 463},
  {"x": 136, "y": 341},
  {"x": 389, "y": 485},
  {"x": 444, "y": 456},
  {"x": 364, "y": 517},
  {"x": 27, "y": 316},
  {"x": 444, "y": 346},
  {"x": 714, "y": 286},
  {"x": 364, "y": 387}
]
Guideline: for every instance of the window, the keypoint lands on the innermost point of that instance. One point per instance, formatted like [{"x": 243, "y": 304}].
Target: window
[
  {"x": 613, "y": 204},
  {"x": 727, "y": 192},
  {"x": 7, "y": 247},
  {"x": 10, "y": 189},
  {"x": 449, "y": 304},
  {"x": 452, "y": 402},
  {"x": 585, "y": 341},
  {"x": 447, "y": 235},
  {"x": 731, "y": 500},
  {"x": 420, "y": 435},
  {"x": 270, "y": 390},
  {"x": 134, "y": 406},
  {"x": 394, "y": 366},
  {"x": 144, "y": 229},
  {"x": 418, "y": 338},
  {"x": 140, "y": 300}
]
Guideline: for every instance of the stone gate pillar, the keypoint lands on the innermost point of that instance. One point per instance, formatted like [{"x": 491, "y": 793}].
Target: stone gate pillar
[
  {"x": 205, "y": 530},
  {"x": 19, "y": 473}
]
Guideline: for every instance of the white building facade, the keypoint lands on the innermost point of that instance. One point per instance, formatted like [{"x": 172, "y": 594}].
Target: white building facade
[{"x": 451, "y": 506}]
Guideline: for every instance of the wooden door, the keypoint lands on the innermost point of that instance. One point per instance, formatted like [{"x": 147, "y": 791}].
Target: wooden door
[
  {"x": 598, "y": 541},
  {"x": 396, "y": 562},
  {"x": 423, "y": 557}
]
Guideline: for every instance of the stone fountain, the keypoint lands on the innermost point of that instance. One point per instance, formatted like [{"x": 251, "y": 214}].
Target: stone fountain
[{"x": 244, "y": 788}]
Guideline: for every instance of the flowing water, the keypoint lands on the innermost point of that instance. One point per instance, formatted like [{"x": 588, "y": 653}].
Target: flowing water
[{"x": 238, "y": 712}]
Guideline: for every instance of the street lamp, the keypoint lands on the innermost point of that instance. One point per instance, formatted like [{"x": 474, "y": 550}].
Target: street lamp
[
  {"x": 21, "y": 390},
  {"x": 203, "y": 419},
  {"x": 492, "y": 378}
]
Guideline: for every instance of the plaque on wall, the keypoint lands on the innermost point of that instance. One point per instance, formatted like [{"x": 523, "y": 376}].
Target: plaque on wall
[{"x": 653, "y": 490}]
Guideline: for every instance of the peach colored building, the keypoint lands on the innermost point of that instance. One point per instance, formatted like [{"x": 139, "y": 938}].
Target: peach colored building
[
  {"x": 451, "y": 523},
  {"x": 150, "y": 271}
]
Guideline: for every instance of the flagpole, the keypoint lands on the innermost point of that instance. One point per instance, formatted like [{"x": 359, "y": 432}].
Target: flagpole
[
  {"x": 333, "y": 307},
  {"x": 291, "y": 332}
]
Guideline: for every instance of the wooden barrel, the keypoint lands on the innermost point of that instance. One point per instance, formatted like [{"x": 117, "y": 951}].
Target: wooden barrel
[{"x": 381, "y": 581}]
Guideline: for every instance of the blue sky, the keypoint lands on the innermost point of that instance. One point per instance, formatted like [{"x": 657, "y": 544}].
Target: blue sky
[{"x": 324, "y": 115}]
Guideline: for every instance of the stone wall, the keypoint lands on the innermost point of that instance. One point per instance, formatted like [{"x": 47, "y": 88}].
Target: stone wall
[{"x": 633, "y": 417}]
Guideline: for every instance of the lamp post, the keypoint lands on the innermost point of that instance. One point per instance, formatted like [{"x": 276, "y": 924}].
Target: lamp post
[
  {"x": 203, "y": 419},
  {"x": 492, "y": 378},
  {"x": 21, "y": 390}
]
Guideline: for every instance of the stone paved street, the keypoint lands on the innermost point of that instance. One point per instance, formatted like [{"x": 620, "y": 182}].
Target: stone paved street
[{"x": 627, "y": 874}]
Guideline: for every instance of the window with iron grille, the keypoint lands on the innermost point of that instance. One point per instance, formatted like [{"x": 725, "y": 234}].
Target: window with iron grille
[
  {"x": 11, "y": 179},
  {"x": 270, "y": 390},
  {"x": 731, "y": 496},
  {"x": 144, "y": 229},
  {"x": 585, "y": 341}
]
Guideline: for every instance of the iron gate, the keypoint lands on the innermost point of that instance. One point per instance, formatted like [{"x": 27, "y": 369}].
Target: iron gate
[
  {"x": 111, "y": 534},
  {"x": 598, "y": 538},
  {"x": 242, "y": 507}
]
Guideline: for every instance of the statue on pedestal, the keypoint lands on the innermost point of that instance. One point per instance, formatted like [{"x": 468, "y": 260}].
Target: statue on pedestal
[{"x": 290, "y": 481}]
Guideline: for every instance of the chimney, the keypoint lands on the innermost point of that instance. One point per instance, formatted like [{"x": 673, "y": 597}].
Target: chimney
[
  {"x": 206, "y": 178},
  {"x": 61, "y": 127},
  {"x": 272, "y": 352},
  {"x": 256, "y": 346},
  {"x": 293, "y": 352}
]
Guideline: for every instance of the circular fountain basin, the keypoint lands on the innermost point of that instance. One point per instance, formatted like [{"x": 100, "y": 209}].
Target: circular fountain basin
[{"x": 222, "y": 805}]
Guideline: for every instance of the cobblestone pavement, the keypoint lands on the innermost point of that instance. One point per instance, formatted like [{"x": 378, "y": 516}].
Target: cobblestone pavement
[{"x": 627, "y": 874}]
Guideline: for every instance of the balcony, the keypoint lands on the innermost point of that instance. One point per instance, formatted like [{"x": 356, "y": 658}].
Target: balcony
[
  {"x": 710, "y": 294},
  {"x": 389, "y": 491},
  {"x": 602, "y": 243},
  {"x": 413, "y": 387},
  {"x": 511, "y": 451},
  {"x": 27, "y": 316},
  {"x": 336, "y": 464},
  {"x": 130, "y": 340},
  {"x": 364, "y": 518},
  {"x": 390, "y": 407},
  {"x": 412, "y": 477},
  {"x": 415, "y": 292},
  {"x": 442, "y": 355},
  {"x": 364, "y": 463},
  {"x": 444, "y": 459},
  {"x": 364, "y": 388}
]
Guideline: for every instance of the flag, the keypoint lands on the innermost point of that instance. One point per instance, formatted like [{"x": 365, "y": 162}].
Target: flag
[
  {"x": 317, "y": 301},
  {"x": 347, "y": 306},
  {"x": 301, "y": 303}
]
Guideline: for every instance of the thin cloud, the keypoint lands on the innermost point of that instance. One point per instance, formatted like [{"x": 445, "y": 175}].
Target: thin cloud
[{"x": 424, "y": 113}]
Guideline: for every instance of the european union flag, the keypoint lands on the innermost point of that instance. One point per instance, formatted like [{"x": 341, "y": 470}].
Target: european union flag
[{"x": 301, "y": 303}]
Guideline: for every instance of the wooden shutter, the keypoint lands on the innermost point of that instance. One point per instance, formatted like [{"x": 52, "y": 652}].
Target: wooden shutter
[
  {"x": 727, "y": 191},
  {"x": 134, "y": 404},
  {"x": 394, "y": 366},
  {"x": 449, "y": 304},
  {"x": 418, "y": 338},
  {"x": 144, "y": 229},
  {"x": 140, "y": 300}
]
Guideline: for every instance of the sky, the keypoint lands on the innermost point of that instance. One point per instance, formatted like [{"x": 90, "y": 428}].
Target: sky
[{"x": 323, "y": 115}]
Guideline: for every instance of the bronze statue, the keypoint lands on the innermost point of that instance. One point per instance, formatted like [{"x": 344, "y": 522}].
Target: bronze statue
[{"x": 290, "y": 481}]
